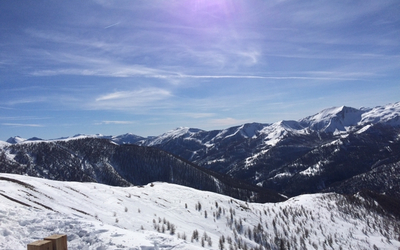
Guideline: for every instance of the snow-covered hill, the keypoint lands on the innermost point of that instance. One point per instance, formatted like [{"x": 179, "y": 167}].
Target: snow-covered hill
[
  {"x": 168, "y": 216},
  {"x": 99, "y": 160}
]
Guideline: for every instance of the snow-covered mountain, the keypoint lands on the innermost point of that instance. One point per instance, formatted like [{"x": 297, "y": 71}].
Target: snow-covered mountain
[
  {"x": 314, "y": 154},
  {"x": 125, "y": 138},
  {"x": 93, "y": 159},
  {"x": 167, "y": 216},
  {"x": 293, "y": 157},
  {"x": 333, "y": 119},
  {"x": 15, "y": 139}
]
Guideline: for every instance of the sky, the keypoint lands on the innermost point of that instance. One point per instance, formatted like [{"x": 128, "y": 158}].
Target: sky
[{"x": 146, "y": 67}]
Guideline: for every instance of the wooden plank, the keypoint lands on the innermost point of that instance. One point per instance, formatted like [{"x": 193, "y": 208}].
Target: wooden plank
[
  {"x": 59, "y": 241},
  {"x": 41, "y": 245}
]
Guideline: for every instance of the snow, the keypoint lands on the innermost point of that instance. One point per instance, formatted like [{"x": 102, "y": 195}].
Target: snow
[
  {"x": 326, "y": 114},
  {"x": 216, "y": 160},
  {"x": 282, "y": 175},
  {"x": 16, "y": 139},
  {"x": 250, "y": 161},
  {"x": 386, "y": 114},
  {"x": 178, "y": 132},
  {"x": 276, "y": 131},
  {"x": 314, "y": 170},
  {"x": 334, "y": 119},
  {"x": 250, "y": 130},
  {"x": 337, "y": 120},
  {"x": 127, "y": 138},
  {"x": 4, "y": 144},
  {"x": 79, "y": 137},
  {"x": 342, "y": 119},
  {"x": 363, "y": 129},
  {"x": 96, "y": 216}
]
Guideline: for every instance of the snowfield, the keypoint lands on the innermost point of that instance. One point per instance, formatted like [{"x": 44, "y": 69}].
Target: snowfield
[{"x": 167, "y": 216}]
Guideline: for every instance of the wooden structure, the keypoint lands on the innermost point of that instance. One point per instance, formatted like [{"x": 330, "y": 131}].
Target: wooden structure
[
  {"x": 41, "y": 245},
  {"x": 59, "y": 241},
  {"x": 52, "y": 242}
]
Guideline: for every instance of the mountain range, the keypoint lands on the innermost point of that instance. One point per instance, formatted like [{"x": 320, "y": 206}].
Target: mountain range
[{"x": 340, "y": 149}]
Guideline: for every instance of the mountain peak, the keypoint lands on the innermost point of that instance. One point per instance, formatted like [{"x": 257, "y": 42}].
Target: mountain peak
[
  {"x": 181, "y": 131},
  {"x": 290, "y": 125},
  {"x": 127, "y": 138},
  {"x": 250, "y": 130},
  {"x": 172, "y": 134},
  {"x": 333, "y": 119},
  {"x": 15, "y": 139}
]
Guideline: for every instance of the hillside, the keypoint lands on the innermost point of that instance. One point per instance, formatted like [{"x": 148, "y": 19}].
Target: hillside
[
  {"x": 87, "y": 159},
  {"x": 169, "y": 216}
]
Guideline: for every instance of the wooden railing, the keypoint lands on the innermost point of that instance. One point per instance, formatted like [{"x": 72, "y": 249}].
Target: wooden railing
[{"x": 53, "y": 242}]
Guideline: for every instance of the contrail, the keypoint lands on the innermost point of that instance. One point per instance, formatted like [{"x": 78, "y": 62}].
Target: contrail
[{"x": 112, "y": 25}]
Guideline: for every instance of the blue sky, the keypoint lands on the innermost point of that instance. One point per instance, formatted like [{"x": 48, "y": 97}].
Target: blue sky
[{"x": 146, "y": 67}]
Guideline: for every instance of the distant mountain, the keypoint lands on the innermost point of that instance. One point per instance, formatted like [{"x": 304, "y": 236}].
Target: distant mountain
[
  {"x": 338, "y": 149},
  {"x": 310, "y": 155},
  {"x": 15, "y": 139},
  {"x": 333, "y": 119},
  {"x": 120, "y": 139},
  {"x": 91, "y": 159},
  {"x": 126, "y": 139}
]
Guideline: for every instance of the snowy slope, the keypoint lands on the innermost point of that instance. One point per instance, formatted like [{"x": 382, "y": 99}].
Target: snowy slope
[
  {"x": 344, "y": 118},
  {"x": 4, "y": 144},
  {"x": 277, "y": 131},
  {"x": 170, "y": 135},
  {"x": 333, "y": 119},
  {"x": 128, "y": 138},
  {"x": 165, "y": 216},
  {"x": 389, "y": 114}
]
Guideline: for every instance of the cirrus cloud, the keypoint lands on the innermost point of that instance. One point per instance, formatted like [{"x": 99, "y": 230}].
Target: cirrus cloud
[
  {"x": 124, "y": 100},
  {"x": 115, "y": 123},
  {"x": 224, "y": 122}
]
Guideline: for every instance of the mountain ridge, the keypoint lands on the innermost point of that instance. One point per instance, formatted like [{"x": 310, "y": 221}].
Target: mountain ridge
[
  {"x": 313, "y": 154},
  {"x": 323, "y": 121},
  {"x": 101, "y": 160},
  {"x": 287, "y": 155}
]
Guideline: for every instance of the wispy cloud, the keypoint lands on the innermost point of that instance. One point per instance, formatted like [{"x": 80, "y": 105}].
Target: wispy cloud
[
  {"x": 346, "y": 77},
  {"x": 22, "y": 125},
  {"x": 225, "y": 122},
  {"x": 100, "y": 66},
  {"x": 112, "y": 25},
  {"x": 115, "y": 123},
  {"x": 198, "y": 115},
  {"x": 27, "y": 100},
  {"x": 21, "y": 118},
  {"x": 125, "y": 100},
  {"x": 90, "y": 65}
]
